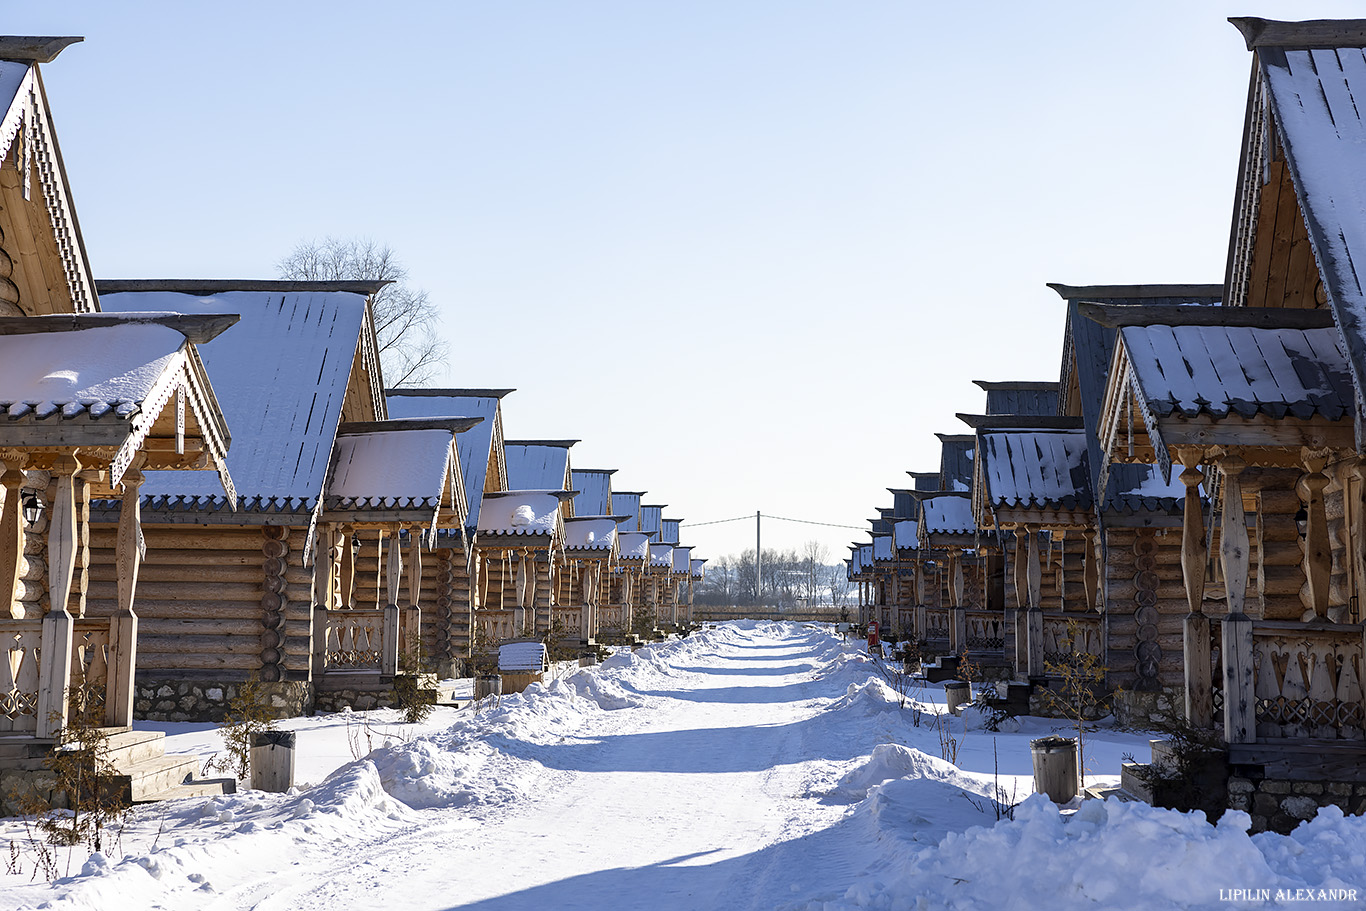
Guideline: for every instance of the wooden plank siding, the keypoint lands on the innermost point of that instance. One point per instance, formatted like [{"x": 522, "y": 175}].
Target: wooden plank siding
[{"x": 1283, "y": 272}]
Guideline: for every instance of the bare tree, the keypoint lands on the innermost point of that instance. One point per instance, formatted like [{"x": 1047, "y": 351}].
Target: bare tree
[{"x": 411, "y": 353}]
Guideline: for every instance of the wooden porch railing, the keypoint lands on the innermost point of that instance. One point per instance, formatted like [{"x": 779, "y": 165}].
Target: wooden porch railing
[
  {"x": 1068, "y": 634},
  {"x": 936, "y": 632},
  {"x": 355, "y": 640},
  {"x": 20, "y": 642},
  {"x": 986, "y": 631},
  {"x": 1308, "y": 681}
]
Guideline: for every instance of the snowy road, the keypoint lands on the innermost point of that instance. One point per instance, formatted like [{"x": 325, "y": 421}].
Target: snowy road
[
  {"x": 673, "y": 799},
  {"x": 756, "y": 766}
]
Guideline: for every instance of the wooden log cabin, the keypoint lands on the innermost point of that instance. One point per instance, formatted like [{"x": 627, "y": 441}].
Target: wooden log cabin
[
  {"x": 1261, "y": 401},
  {"x": 593, "y": 501},
  {"x": 1136, "y": 512},
  {"x": 520, "y": 538},
  {"x": 230, "y": 595},
  {"x": 545, "y": 465},
  {"x": 455, "y": 628},
  {"x": 393, "y": 487},
  {"x": 628, "y": 576}
]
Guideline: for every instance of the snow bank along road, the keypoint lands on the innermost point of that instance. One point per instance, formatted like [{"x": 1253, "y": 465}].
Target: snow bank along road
[{"x": 750, "y": 766}]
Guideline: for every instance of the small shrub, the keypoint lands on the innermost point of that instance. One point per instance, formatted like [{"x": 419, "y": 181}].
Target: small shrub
[{"x": 248, "y": 714}]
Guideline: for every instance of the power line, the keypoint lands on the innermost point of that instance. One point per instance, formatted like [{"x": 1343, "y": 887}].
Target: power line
[
  {"x": 717, "y": 522},
  {"x": 771, "y": 516},
  {"x": 809, "y": 522}
]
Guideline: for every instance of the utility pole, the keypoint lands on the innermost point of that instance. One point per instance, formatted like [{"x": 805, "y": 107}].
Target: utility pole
[{"x": 758, "y": 561}]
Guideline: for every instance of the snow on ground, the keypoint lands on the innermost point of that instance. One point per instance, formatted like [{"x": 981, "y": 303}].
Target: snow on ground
[{"x": 756, "y": 765}]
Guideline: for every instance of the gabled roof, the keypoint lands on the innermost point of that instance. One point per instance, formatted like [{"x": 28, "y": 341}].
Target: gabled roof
[
  {"x": 696, "y": 568},
  {"x": 281, "y": 376},
  {"x": 522, "y": 514},
  {"x": 661, "y": 556},
  {"x": 36, "y": 199},
  {"x": 682, "y": 557},
  {"x": 1309, "y": 79},
  {"x": 883, "y": 548},
  {"x": 905, "y": 534},
  {"x": 399, "y": 468},
  {"x": 591, "y": 534},
  {"x": 1216, "y": 372},
  {"x": 480, "y": 448},
  {"x": 925, "y": 480},
  {"x": 1088, "y": 348},
  {"x": 96, "y": 381},
  {"x": 955, "y": 461},
  {"x": 632, "y": 545},
  {"x": 594, "y": 486},
  {"x": 668, "y": 530},
  {"x": 650, "y": 519},
  {"x": 627, "y": 503},
  {"x": 946, "y": 514},
  {"x": 1020, "y": 397},
  {"x": 1034, "y": 469},
  {"x": 538, "y": 464}
]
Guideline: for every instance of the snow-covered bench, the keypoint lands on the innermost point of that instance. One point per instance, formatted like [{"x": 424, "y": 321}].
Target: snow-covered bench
[{"x": 521, "y": 664}]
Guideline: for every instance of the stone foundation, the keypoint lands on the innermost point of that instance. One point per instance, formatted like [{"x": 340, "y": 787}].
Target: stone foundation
[
  {"x": 1143, "y": 710},
  {"x": 1280, "y": 804},
  {"x": 208, "y": 700},
  {"x": 25, "y": 791}
]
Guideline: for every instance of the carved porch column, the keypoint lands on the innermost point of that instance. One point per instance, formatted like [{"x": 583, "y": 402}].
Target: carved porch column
[
  {"x": 1195, "y": 633},
  {"x": 519, "y": 614},
  {"x": 1017, "y": 615},
  {"x": 1034, "y": 619},
  {"x": 123, "y": 630},
  {"x": 1318, "y": 553},
  {"x": 1091, "y": 570},
  {"x": 412, "y": 621},
  {"x": 12, "y": 537},
  {"x": 1240, "y": 707},
  {"x": 58, "y": 626},
  {"x": 393, "y": 578},
  {"x": 347, "y": 572},
  {"x": 958, "y": 625}
]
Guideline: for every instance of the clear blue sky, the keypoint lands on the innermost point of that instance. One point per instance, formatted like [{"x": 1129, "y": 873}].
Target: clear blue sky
[{"x": 751, "y": 253}]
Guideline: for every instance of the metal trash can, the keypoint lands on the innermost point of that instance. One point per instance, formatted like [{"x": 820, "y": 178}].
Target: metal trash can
[
  {"x": 272, "y": 761},
  {"x": 488, "y": 685},
  {"x": 958, "y": 693},
  {"x": 1055, "y": 767}
]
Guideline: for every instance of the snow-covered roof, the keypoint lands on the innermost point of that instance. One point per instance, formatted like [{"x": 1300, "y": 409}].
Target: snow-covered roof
[
  {"x": 1036, "y": 468},
  {"x": 883, "y": 548},
  {"x": 522, "y": 656},
  {"x": 106, "y": 376},
  {"x": 668, "y": 530},
  {"x": 590, "y": 533},
  {"x": 594, "y": 486},
  {"x": 280, "y": 376},
  {"x": 682, "y": 557},
  {"x": 697, "y": 568},
  {"x": 520, "y": 512},
  {"x": 627, "y": 503},
  {"x": 1314, "y": 88},
  {"x": 1088, "y": 348},
  {"x": 538, "y": 464},
  {"x": 1222, "y": 370},
  {"x": 955, "y": 461},
  {"x": 632, "y": 545},
  {"x": 661, "y": 556},
  {"x": 476, "y": 446},
  {"x": 946, "y": 515},
  {"x": 650, "y": 518},
  {"x": 408, "y": 470},
  {"x": 905, "y": 534}
]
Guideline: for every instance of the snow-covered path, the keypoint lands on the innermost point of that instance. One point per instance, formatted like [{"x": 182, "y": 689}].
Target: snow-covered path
[{"x": 672, "y": 799}]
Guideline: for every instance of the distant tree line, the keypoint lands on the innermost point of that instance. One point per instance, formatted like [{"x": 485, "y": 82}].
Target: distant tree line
[{"x": 790, "y": 578}]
